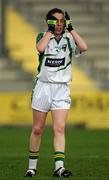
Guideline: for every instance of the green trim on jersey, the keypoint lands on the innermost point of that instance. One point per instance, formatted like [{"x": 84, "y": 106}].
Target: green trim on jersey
[
  {"x": 33, "y": 87},
  {"x": 49, "y": 55},
  {"x": 39, "y": 37},
  {"x": 69, "y": 46},
  {"x": 41, "y": 56},
  {"x": 65, "y": 66},
  {"x": 58, "y": 40}
]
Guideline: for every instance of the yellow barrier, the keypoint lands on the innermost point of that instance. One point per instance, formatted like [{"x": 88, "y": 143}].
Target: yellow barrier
[
  {"x": 20, "y": 40},
  {"x": 91, "y": 110},
  {"x": 15, "y": 108}
]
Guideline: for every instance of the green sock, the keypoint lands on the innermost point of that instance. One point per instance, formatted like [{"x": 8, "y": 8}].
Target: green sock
[
  {"x": 59, "y": 159},
  {"x": 33, "y": 159}
]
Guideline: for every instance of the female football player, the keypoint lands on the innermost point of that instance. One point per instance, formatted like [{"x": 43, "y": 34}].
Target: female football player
[{"x": 51, "y": 88}]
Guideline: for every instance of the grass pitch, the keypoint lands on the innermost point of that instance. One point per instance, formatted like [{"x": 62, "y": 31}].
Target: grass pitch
[{"x": 87, "y": 154}]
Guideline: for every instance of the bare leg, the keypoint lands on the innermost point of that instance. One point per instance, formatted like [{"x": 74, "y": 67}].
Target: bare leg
[
  {"x": 35, "y": 140},
  {"x": 59, "y": 119},
  {"x": 37, "y": 129}
]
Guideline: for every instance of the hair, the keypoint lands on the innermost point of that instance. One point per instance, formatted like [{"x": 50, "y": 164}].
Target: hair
[{"x": 52, "y": 11}]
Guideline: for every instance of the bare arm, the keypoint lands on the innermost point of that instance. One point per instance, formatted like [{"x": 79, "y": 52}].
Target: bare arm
[
  {"x": 77, "y": 38},
  {"x": 42, "y": 44},
  {"x": 79, "y": 41}
]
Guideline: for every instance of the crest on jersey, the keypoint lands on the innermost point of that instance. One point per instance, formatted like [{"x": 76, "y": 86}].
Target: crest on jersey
[{"x": 64, "y": 47}]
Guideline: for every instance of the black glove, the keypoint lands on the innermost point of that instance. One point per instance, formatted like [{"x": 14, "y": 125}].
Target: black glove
[
  {"x": 51, "y": 23},
  {"x": 68, "y": 22}
]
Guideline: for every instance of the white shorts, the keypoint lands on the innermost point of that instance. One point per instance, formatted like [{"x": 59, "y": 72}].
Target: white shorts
[{"x": 51, "y": 96}]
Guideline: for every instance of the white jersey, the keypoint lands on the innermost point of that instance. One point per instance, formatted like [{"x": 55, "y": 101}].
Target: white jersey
[{"x": 55, "y": 64}]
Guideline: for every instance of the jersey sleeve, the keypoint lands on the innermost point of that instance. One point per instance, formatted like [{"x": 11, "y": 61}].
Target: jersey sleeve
[
  {"x": 75, "y": 49},
  {"x": 39, "y": 37}
]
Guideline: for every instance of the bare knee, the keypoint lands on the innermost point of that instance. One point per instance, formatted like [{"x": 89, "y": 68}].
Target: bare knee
[
  {"x": 37, "y": 131},
  {"x": 59, "y": 130}
]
